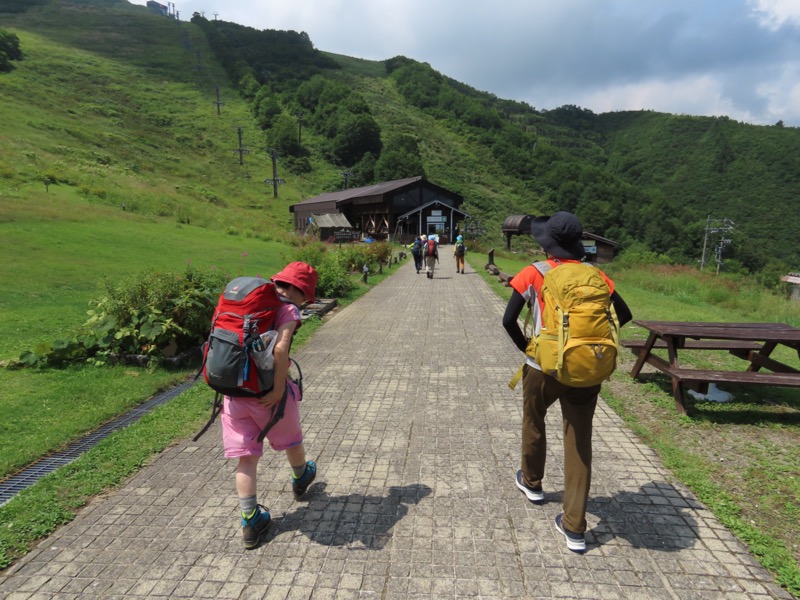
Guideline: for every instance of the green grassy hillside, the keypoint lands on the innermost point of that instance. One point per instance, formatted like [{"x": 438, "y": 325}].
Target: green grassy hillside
[
  {"x": 115, "y": 106},
  {"x": 135, "y": 124}
]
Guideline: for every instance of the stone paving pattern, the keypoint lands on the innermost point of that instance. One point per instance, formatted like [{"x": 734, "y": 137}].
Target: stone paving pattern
[{"x": 417, "y": 437}]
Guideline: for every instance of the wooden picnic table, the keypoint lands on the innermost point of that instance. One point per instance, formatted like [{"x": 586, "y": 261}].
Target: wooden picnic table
[{"x": 753, "y": 342}]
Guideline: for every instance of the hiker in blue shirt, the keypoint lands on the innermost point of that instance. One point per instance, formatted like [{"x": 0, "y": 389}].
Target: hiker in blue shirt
[{"x": 459, "y": 250}]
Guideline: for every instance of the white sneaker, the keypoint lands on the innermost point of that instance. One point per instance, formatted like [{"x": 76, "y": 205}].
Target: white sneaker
[{"x": 534, "y": 495}]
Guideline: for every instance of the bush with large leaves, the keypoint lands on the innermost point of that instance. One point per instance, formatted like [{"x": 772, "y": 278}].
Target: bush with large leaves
[{"x": 155, "y": 315}]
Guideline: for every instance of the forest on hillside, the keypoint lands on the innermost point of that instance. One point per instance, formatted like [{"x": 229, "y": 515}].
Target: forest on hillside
[
  {"x": 650, "y": 179},
  {"x": 653, "y": 182}
]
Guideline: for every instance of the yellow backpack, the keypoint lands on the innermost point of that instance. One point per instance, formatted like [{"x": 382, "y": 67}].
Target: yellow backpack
[{"x": 578, "y": 341}]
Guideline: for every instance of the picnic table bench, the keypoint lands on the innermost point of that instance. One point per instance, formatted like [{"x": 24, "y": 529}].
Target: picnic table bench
[{"x": 753, "y": 342}]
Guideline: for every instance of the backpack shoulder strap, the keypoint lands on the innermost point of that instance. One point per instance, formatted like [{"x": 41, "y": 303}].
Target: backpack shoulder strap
[{"x": 542, "y": 266}]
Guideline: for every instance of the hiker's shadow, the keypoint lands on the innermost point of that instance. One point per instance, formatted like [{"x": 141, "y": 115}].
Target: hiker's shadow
[
  {"x": 658, "y": 517},
  {"x": 355, "y": 519}
]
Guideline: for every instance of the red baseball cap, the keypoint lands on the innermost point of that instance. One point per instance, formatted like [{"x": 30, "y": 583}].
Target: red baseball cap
[{"x": 302, "y": 276}]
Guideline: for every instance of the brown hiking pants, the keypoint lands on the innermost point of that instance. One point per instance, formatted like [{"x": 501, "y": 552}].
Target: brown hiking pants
[{"x": 539, "y": 392}]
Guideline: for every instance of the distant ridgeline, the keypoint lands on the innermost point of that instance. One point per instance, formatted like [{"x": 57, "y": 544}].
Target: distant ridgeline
[{"x": 18, "y": 6}]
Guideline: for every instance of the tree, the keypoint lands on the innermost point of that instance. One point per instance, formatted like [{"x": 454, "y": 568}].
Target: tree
[
  {"x": 265, "y": 107},
  {"x": 309, "y": 92},
  {"x": 357, "y": 135},
  {"x": 283, "y": 136},
  {"x": 399, "y": 159},
  {"x": 364, "y": 170},
  {"x": 419, "y": 84},
  {"x": 9, "y": 50}
]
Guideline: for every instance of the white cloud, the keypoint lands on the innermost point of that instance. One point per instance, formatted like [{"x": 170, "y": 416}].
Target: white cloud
[
  {"x": 773, "y": 14},
  {"x": 783, "y": 96}
]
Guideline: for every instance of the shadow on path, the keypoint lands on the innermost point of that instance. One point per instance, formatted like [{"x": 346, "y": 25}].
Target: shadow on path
[
  {"x": 355, "y": 519},
  {"x": 658, "y": 517}
]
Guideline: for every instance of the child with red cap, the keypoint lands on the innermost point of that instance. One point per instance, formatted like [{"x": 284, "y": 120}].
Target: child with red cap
[{"x": 243, "y": 419}]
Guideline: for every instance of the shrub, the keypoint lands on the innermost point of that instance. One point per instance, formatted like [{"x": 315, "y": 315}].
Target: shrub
[
  {"x": 154, "y": 314},
  {"x": 638, "y": 255},
  {"x": 334, "y": 280}
]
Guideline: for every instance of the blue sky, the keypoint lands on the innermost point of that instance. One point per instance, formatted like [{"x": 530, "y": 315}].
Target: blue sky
[{"x": 737, "y": 58}]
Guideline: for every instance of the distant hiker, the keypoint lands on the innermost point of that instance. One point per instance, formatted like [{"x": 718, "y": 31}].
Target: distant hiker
[
  {"x": 431, "y": 251},
  {"x": 560, "y": 237},
  {"x": 243, "y": 419},
  {"x": 459, "y": 250},
  {"x": 416, "y": 252}
]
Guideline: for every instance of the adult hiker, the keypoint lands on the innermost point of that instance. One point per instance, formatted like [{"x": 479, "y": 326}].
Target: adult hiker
[{"x": 560, "y": 238}]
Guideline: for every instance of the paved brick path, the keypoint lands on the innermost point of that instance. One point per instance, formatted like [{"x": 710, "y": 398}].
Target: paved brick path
[{"x": 417, "y": 439}]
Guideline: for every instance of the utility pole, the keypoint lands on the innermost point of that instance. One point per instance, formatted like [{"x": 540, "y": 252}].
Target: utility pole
[
  {"x": 705, "y": 243},
  {"x": 241, "y": 149},
  {"x": 218, "y": 102},
  {"x": 347, "y": 175},
  {"x": 299, "y": 116},
  {"x": 275, "y": 180},
  {"x": 714, "y": 227}
]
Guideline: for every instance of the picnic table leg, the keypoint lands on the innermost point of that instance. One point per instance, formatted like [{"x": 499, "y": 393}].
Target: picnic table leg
[
  {"x": 677, "y": 388},
  {"x": 765, "y": 351},
  {"x": 677, "y": 393},
  {"x": 643, "y": 354}
]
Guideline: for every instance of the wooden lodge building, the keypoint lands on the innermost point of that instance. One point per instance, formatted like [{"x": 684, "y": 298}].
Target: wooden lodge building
[
  {"x": 402, "y": 209},
  {"x": 599, "y": 250}
]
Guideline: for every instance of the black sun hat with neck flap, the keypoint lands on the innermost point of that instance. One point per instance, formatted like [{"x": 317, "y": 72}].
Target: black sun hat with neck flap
[{"x": 559, "y": 235}]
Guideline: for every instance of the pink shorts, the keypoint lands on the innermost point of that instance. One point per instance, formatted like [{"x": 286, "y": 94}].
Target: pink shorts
[{"x": 244, "y": 418}]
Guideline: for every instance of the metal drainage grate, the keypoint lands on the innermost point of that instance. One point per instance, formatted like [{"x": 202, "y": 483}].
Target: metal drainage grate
[{"x": 26, "y": 478}]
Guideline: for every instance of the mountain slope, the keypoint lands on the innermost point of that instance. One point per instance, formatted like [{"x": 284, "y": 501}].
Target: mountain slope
[
  {"x": 135, "y": 124},
  {"x": 116, "y": 105},
  {"x": 715, "y": 167}
]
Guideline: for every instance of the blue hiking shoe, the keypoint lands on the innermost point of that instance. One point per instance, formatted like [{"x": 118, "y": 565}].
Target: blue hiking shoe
[
  {"x": 254, "y": 527},
  {"x": 533, "y": 494},
  {"x": 300, "y": 484},
  {"x": 575, "y": 541}
]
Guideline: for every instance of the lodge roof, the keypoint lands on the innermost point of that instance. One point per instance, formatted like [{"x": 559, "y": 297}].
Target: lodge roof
[{"x": 377, "y": 189}]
